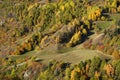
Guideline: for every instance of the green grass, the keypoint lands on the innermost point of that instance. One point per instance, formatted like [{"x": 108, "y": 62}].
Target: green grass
[
  {"x": 66, "y": 49},
  {"x": 75, "y": 55},
  {"x": 28, "y": 54},
  {"x": 116, "y": 18},
  {"x": 104, "y": 24}
]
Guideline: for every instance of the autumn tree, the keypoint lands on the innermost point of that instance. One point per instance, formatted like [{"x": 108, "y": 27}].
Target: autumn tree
[
  {"x": 67, "y": 74},
  {"x": 76, "y": 38},
  {"x": 116, "y": 54},
  {"x": 109, "y": 70},
  {"x": 95, "y": 64},
  {"x": 74, "y": 75}
]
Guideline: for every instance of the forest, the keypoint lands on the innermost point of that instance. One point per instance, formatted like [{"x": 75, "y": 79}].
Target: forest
[{"x": 59, "y": 39}]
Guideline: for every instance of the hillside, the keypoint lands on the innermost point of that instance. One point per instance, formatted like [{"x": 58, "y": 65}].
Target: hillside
[{"x": 59, "y": 39}]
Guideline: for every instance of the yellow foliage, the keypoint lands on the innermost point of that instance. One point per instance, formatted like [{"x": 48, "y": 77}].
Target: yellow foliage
[
  {"x": 57, "y": 39},
  {"x": 54, "y": 27},
  {"x": 84, "y": 31},
  {"x": 67, "y": 71},
  {"x": 87, "y": 23},
  {"x": 102, "y": 18},
  {"x": 94, "y": 14},
  {"x": 43, "y": 40},
  {"x": 30, "y": 13},
  {"x": 72, "y": 3},
  {"x": 116, "y": 54},
  {"x": 30, "y": 7},
  {"x": 11, "y": 20},
  {"x": 97, "y": 74},
  {"x": 89, "y": 16},
  {"x": 114, "y": 4},
  {"x": 33, "y": 5},
  {"x": 83, "y": 18},
  {"x": 57, "y": 13},
  {"x": 28, "y": 47},
  {"x": 75, "y": 72},
  {"x": 81, "y": 27},
  {"x": 16, "y": 53},
  {"x": 75, "y": 39},
  {"x": 36, "y": 4},
  {"x": 72, "y": 75},
  {"x": 38, "y": 25},
  {"x": 77, "y": 69},
  {"x": 62, "y": 8},
  {"x": 74, "y": 22},
  {"x": 98, "y": 12},
  {"x": 118, "y": 9}
]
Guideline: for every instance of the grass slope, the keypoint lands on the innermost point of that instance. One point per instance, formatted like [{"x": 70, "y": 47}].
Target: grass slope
[{"x": 72, "y": 56}]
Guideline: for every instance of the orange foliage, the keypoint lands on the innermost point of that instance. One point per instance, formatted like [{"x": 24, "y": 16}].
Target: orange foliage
[{"x": 109, "y": 69}]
